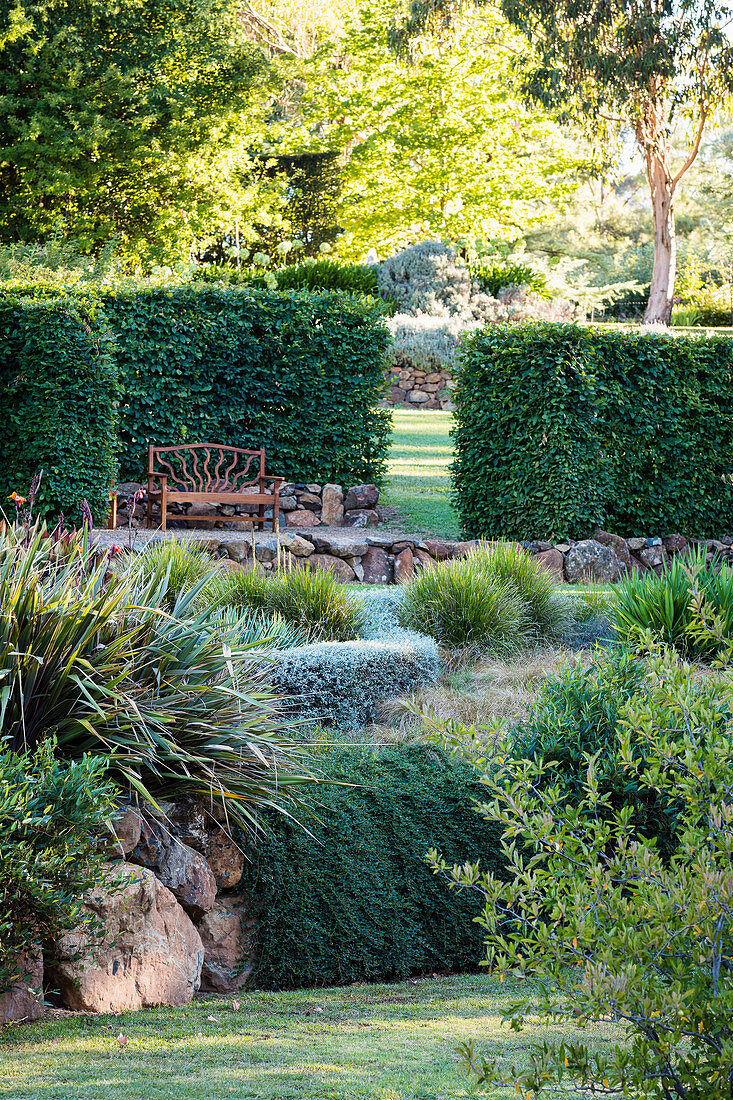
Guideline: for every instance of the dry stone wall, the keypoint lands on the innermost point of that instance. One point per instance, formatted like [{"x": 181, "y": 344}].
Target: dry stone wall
[{"x": 424, "y": 389}]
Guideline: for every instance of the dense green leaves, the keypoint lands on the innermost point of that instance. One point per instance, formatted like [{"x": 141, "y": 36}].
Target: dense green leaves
[
  {"x": 296, "y": 373},
  {"x": 559, "y": 429},
  {"x": 58, "y": 394},
  {"x": 51, "y": 816},
  {"x": 353, "y": 899}
]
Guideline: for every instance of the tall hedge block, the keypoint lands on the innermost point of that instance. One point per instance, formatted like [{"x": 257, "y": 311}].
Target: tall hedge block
[
  {"x": 560, "y": 428},
  {"x": 58, "y": 402},
  {"x": 298, "y": 373}
]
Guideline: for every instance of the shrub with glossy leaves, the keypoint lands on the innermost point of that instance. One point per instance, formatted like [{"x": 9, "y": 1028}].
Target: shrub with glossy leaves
[
  {"x": 612, "y": 927},
  {"x": 51, "y": 815}
]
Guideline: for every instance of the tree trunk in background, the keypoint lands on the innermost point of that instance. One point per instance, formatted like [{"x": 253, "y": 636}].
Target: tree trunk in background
[{"x": 661, "y": 292}]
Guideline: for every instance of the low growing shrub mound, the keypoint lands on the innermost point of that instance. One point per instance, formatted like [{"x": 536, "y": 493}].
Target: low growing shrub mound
[
  {"x": 355, "y": 900},
  {"x": 496, "y": 600},
  {"x": 342, "y": 683}
]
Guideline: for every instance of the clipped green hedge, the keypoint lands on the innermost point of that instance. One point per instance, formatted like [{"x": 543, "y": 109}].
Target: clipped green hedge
[
  {"x": 355, "y": 900},
  {"x": 58, "y": 401},
  {"x": 560, "y": 428},
  {"x": 299, "y": 373}
]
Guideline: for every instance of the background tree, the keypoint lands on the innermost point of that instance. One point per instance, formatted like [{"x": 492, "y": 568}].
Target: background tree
[
  {"x": 655, "y": 66},
  {"x": 124, "y": 118}
]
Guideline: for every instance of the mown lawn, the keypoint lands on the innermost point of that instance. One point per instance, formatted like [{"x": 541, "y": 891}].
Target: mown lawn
[
  {"x": 381, "y": 1042},
  {"x": 418, "y": 483}
]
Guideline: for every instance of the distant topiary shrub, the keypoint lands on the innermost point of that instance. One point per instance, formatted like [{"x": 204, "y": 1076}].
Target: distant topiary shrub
[
  {"x": 560, "y": 429},
  {"x": 353, "y": 899},
  {"x": 341, "y": 683}
]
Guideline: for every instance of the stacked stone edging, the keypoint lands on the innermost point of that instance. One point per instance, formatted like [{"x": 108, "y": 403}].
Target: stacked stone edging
[
  {"x": 607, "y": 557},
  {"x": 301, "y": 505},
  {"x": 425, "y": 389}
]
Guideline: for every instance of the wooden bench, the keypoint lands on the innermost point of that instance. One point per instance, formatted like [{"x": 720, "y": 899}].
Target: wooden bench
[{"x": 212, "y": 473}]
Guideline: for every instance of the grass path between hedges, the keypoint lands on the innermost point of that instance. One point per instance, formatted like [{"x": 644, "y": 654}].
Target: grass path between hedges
[
  {"x": 418, "y": 482},
  {"x": 362, "y": 1042}
]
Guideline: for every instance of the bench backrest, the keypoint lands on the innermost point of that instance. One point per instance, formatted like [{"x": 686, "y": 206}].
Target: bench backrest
[{"x": 207, "y": 467}]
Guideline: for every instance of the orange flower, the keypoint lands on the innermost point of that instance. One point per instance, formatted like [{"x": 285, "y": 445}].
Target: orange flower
[{"x": 16, "y": 499}]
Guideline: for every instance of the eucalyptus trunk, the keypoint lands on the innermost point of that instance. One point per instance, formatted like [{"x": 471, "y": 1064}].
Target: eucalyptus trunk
[{"x": 661, "y": 291}]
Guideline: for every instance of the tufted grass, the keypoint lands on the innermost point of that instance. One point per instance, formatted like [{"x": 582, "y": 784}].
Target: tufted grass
[
  {"x": 362, "y": 1042},
  {"x": 418, "y": 482}
]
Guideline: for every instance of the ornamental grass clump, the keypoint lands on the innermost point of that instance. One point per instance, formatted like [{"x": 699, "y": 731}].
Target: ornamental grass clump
[
  {"x": 102, "y": 662},
  {"x": 689, "y": 607},
  {"x": 546, "y": 609},
  {"x": 180, "y": 563},
  {"x": 461, "y": 605}
]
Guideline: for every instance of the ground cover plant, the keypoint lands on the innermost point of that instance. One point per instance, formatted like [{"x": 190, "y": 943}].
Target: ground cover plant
[
  {"x": 359, "y": 1042},
  {"x": 629, "y": 931}
]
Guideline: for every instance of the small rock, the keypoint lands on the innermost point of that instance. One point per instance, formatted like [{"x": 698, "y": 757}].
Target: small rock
[
  {"x": 398, "y": 547},
  {"x": 421, "y": 558},
  {"x": 652, "y": 556},
  {"x": 332, "y": 510},
  {"x": 228, "y": 935},
  {"x": 438, "y": 549},
  {"x": 296, "y": 544},
  {"x": 404, "y": 566},
  {"x": 361, "y": 517},
  {"x": 200, "y": 508},
  {"x": 563, "y": 547},
  {"x": 417, "y": 397},
  {"x": 23, "y": 1002},
  {"x": 617, "y": 544},
  {"x": 302, "y": 517},
  {"x": 378, "y": 566},
  {"x": 287, "y": 504},
  {"x": 264, "y": 553},
  {"x": 239, "y": 550},
  {"x": 463, "y": 549},
  {"x": 225, "y": 859},
  {"x": 675, "y": 544},
  {"x": 310, "y": 500},
  {"x": 636, "y": 544},
  {"x": 362, "y": 496},
  {"x": 589, "y": 560},
  {"x": 340, "y": 568},
  {"x": 553, "y": 561},
  {"x": 181, "y": 869},
  {"x": 375, "y": 538}
]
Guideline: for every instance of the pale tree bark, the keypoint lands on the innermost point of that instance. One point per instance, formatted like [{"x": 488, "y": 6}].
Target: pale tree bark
[{"x": 661, "y": 292}]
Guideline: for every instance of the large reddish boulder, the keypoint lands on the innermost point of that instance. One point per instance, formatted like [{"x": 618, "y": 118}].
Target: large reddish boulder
[
  {"x": 377, "y": 566},
  {"x": 340, "y": 568},
  {"x": 553, "y": 562},
  {"x": 149, "y": 952}
]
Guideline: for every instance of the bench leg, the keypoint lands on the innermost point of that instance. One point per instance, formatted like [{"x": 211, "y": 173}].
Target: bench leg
[{"x": 112, "y": 521}]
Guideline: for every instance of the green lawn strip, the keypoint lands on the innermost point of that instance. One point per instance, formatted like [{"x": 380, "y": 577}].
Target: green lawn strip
[
  {"x": 418, "y": 482},
  {"x": 381, "y": 1042}
]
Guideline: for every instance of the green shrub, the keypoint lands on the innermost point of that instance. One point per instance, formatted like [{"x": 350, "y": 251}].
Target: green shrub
[
  {"x": 559, "y": 429},
  {"x": 546, "y": 608},
  {"x": 460, "y": 605},
  {"x": 578, "y": 714},
  {"x": 689, "y": 607},
  {"x": 353, "y": 900},
  {"x": 494, "y": 278},
  {"x": 58, "y": 394},
  {"x": 179, "y": 563},
  {"x": 51, "y": 815},
  {"x": 107, "y": 666},
  {"x": 300, "y": 374}
]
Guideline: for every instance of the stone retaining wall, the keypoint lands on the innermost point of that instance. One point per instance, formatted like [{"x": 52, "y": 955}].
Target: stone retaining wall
[
  {"x": 424, "y": 389},
  {"x": 377, "y": 557},
  {"x": 301, "y": 505}
]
